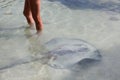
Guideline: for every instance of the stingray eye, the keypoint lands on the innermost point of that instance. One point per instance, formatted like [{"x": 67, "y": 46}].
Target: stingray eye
[
  {"x": 54, "y": 65},
  {"x": 55, "y": 57},
  {"x": 57, "y": 66}
]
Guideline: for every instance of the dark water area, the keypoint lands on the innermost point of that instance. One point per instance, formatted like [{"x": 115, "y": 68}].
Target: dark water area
[{"x": 89, "y": 4}]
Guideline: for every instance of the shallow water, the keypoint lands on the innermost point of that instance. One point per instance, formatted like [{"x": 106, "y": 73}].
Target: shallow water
[{"x": 21, "y": 50}]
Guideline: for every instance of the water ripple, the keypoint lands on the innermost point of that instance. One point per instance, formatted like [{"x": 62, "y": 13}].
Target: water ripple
[{"x": 6, "y": 3}]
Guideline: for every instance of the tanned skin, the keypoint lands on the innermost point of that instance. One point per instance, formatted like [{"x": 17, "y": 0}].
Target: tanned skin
[{"x": 32, "y": 14}]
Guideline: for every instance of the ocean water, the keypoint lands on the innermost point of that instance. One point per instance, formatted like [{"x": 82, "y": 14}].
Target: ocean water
[{"x": 94, "y": 21}]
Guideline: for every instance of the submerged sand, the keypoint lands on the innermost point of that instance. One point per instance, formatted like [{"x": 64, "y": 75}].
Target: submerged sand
[{"x": 98, "y": 26}]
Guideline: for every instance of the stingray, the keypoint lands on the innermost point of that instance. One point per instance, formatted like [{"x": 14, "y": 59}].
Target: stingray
[
  {"x": 62, "y": 53},
  {"x": 68, "y": 52}
]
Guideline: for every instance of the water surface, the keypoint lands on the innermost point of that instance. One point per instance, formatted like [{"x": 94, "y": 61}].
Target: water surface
[{"x": 62, "y": 18}]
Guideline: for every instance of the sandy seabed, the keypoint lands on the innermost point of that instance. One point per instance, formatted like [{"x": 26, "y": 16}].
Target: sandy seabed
[{"x": 99, "y": 26}]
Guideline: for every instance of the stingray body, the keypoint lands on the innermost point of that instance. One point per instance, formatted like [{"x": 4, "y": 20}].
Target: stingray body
[{"x": 68, "y": 52}]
